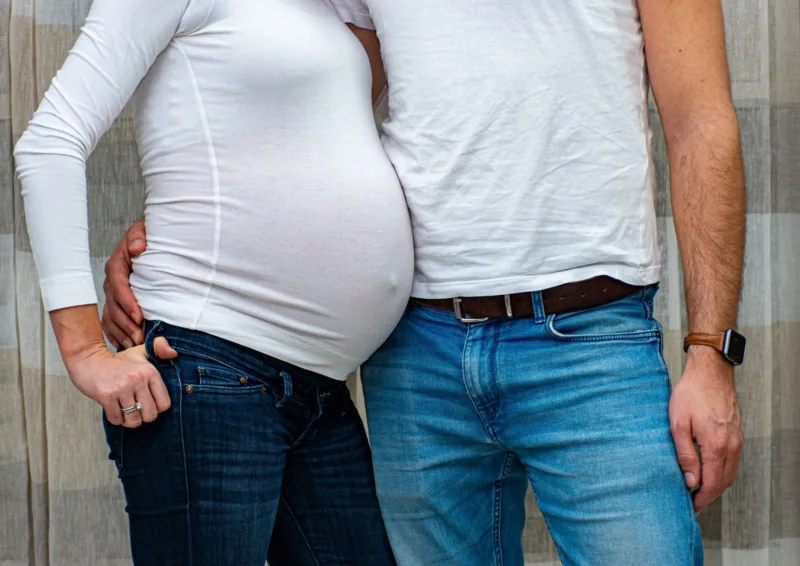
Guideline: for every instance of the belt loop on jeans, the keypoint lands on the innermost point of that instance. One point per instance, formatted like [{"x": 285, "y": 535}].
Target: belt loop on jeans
[
  {"x": 539, "y": 316},
  {"x": 287, "y": 389}
]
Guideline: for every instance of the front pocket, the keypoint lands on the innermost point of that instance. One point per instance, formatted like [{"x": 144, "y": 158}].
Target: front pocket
[
  {"x": 626, "y": 320},
  {"x": 219, "y": 379}
]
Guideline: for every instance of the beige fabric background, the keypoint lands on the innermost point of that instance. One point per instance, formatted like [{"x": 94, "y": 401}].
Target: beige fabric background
[{"x": 60, "y": 502}]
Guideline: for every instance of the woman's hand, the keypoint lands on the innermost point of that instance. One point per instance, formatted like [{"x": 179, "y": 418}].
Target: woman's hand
[
  {"x": 122, "y": 380},
  {"x": 115, "y": 381}
]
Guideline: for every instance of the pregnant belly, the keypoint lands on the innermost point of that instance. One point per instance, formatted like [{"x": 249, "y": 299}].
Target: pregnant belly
[{"x": 333, "y": 274}]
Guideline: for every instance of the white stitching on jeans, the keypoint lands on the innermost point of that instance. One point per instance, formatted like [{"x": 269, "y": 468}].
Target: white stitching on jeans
[{"x": 621, "y": 337}]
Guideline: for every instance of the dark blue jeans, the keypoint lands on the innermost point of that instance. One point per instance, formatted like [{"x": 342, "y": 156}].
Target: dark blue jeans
[{"x": 249, "y": 464}]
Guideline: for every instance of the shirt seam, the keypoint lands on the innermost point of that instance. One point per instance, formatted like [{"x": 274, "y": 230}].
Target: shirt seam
[
  {"x": 212, "y": 158},
  {"x": 202, "y": 22}
]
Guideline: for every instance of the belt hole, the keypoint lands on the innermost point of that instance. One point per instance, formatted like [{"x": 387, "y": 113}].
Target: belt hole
[
  {"x": 583, "y": 295},
  {"x": 604, "y": 289},
  {"x": 561, "y": 298}
]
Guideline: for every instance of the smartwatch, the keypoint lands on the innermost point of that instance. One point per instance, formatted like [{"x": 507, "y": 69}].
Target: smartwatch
[{"x": 730, "y": 344}]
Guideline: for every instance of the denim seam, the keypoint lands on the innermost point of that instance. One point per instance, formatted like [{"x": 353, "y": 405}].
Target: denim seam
[
  {"x": 498, "y": 510},
  {"x": 147, "y": 342},
  {"x": 486, "y": 426},
  {"x": 306, "y": 435},
  {"x": 648, "y": 311},
  {"x": 299, "y": 528},
  {"x": 190, "y": 542}
]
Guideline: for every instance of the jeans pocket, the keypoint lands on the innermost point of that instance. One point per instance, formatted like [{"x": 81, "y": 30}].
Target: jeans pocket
[
  {"x": 213, "y": 377},
  {"x": 114, "y": 440},
  {"x": 627, "y": 320}
]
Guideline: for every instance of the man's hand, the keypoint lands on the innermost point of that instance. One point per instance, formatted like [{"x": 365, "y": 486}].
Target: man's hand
[
  {"x": 704, "y": 410},
  {"x": 122, "y": 317}
]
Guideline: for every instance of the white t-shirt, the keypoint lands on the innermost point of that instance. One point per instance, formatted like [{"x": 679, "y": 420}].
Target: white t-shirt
[
  {"x": 274, "y": 218},
  {"x": 519, "y": 131}
]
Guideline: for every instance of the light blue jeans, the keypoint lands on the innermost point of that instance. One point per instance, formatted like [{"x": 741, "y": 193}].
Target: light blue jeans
[{"x": 461, "y": 416}]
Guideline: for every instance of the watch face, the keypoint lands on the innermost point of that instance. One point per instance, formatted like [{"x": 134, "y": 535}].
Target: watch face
[{"x": 734, "y": 347}]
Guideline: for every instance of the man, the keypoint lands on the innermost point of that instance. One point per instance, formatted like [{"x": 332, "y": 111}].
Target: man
[{"x": 529, "y": 352}]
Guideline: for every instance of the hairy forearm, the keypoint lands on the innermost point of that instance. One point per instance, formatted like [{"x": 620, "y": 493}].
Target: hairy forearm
[{"x": 708, "y": 201}]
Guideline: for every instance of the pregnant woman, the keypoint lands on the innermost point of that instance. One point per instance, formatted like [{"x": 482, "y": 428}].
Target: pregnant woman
[{"x": 279, "y": 258}]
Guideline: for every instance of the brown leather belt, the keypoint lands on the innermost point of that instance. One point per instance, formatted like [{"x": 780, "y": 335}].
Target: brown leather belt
[{"x": 570, "y": 297}]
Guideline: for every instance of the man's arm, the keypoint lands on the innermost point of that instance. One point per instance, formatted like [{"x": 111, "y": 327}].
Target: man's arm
[
  {"x": 685, "y": 47},
  {"x": 369, "y": 39},
  {"x": 687, "y": 63}
]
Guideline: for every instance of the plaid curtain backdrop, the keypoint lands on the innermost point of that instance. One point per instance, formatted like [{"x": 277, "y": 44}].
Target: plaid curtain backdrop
[{"x": 60, "y": 502}]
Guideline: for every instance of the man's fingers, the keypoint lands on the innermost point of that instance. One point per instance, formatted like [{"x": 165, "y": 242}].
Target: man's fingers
[
  {"x": 732, "y": 460},
  {"x": 116, "y": 335},
  {"x": 688, "y": 457},
  {"x": 136, "y": 239},
  {"x": 713, "y": 483},
  {"x": 118, "y": 323},
  {"x": 118, "y": 272},
  {"x": 163, "y": 350}
]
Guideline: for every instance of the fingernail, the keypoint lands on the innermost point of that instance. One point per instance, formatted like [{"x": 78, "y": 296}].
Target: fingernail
[
  {"x": 690, "y": 479},
  {"x": 136, "y": 318},
  {"x": 127, "y": 344}
]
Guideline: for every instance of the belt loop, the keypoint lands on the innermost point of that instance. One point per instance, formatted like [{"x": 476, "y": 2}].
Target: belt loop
[
  {"x": 287, "y": 389},
  {"x": 539, "y": 316}
]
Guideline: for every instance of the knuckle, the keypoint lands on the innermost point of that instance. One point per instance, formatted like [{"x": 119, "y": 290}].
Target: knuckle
[
  {"x": 678, "y": 425},
  {"x": 719, "y": 448},
  {"x": 106, "y": 397},
  {"x": 133, "y": 378}
]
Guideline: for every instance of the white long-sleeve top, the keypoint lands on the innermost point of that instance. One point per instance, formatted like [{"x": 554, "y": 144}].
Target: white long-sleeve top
[{"x": 274, "y": 218}]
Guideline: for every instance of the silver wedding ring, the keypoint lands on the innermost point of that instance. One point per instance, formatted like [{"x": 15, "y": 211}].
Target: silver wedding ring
[{"x": 133, "y": 409}]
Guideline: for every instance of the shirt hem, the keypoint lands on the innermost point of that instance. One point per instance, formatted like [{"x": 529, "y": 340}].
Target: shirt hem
[
  {"x": 246, "y": 331},
  {"x": 364, "y": 21},
  {"x": 525, "y": 284}
]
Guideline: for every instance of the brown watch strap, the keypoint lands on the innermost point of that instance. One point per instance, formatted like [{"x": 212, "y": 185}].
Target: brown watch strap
[{"x": 716, "y": 341}]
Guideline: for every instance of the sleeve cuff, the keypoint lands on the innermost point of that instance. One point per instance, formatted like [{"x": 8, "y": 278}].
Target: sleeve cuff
[
  {"x": 364, "y": 21},
  {"x": 70, "y": 291}
]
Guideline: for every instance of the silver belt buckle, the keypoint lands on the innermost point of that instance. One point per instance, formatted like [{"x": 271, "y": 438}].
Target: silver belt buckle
[{"x": 459, "y": 310}]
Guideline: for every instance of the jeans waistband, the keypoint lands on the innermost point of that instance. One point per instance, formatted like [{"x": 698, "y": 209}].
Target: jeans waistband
[{"x": 233, "y": 354}]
